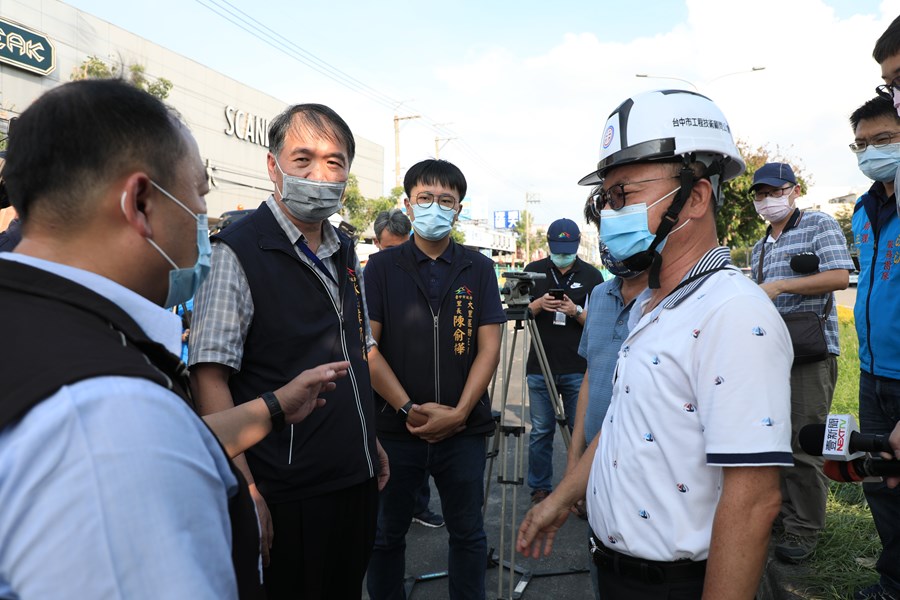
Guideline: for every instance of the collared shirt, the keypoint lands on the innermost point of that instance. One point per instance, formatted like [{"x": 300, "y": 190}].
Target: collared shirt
[
  {"x": 226, "y": 301},
  {"x": 806, "y": 231},
  {"x": 702, "y": 382},
  {"x": 605, "y": 329},
  {"x": 112, "y": 487},
  {"x": 433, "y": 272}
]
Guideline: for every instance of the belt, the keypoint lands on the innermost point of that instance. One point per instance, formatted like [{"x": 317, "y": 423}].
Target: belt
[{"x": 648, "y": 571}]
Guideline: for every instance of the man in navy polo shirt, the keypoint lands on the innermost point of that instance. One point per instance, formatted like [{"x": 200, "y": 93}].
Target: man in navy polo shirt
[
  {"x": 434, "y": 308},
  {"x": 560, "y": 318},
  {"x": 782, "y": 264}
]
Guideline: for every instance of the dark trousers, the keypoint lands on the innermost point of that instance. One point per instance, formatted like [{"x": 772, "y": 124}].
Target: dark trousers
[
  {"x": 457, "y": 466},
  {"x": 322, "y": 545},
  {"x": 615, "y": 587},
  {"x": 879, "y": 411},
  {"x": 621, "y": 577},
  {"x": 804, "y": 488},
  {"x": 423, "y": 497}
]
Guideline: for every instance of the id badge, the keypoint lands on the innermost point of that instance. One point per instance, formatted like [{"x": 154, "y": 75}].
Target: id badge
[{"x": 559, "y": 318}]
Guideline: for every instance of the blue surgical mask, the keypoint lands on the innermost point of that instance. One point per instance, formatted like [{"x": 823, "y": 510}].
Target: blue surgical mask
[
  {"x": 308, "y": 200},
  {"x": 879, "y": 164},
  {"x": 562, "y": 260},
  {"x": 625, "y": 232},
  {"x": 615, "y": 266},
  {"x": 432, "y": 223},
  {"x": 184, "y": 282}
]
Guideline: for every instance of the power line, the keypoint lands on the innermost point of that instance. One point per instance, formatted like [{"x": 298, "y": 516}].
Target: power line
[
  {"x": 235, "y": 16},
  {"x": 265, "y": 34}
]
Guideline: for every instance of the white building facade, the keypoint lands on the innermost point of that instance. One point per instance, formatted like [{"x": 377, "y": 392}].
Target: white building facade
[{"x": 43, "y": 41}]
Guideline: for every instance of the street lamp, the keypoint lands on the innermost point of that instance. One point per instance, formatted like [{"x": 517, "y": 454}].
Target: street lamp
[
  {"x": 646, "y": 76},
  {"x": 691, "y": 83}
]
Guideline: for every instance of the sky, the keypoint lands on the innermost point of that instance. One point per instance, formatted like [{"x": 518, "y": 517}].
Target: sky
[{"x": 519, "y": 91}]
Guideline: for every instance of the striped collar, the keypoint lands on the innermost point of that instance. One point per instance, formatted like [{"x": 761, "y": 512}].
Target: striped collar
[{"x": 714, "y": 260}]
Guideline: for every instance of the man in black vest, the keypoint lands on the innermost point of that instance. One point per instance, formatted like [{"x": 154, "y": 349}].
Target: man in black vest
[
  {"x": 285, "y": 293},
  {"x": 435, "y": 313},
  {"x": 111, "y": 486}
]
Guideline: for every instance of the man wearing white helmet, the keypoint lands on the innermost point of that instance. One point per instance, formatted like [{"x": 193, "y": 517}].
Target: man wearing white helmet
[{"x": 682, "y": 483}]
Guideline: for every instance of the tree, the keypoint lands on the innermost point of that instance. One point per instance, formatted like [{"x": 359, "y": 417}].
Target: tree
[
  {"x": 360, "y": 211},
  {"x": 96, "y": 68},
  {"x": 737, "y": 223},
  {"x": 457, "y": 235},
  {"x": 536, "y": 241},
  {"x": 844, "y": 217}
]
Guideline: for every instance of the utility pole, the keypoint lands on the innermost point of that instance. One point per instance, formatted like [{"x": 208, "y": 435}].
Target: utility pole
[
  {"x": 397, "y": 119},
  {"x": 530, "y": 198},
  {"x": 438, "y": 145}
]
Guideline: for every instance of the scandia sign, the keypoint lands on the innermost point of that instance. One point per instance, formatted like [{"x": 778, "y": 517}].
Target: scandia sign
[{"x": 26, "y": 49}]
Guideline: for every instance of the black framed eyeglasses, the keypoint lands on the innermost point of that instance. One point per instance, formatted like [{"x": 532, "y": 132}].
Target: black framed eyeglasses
[
  {"x": 426, "y": 199},
  {"x": 879, "y": 141},
  {"x": 774, "y": 193},
  {"x": 615, "y": 196},
  {"x": 886, "y": 90},
  {"x": 593, "y": 200}
]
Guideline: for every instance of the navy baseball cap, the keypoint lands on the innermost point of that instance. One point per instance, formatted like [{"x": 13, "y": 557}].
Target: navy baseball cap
[
  {"x": 563, "y": 237},
  {"x": 775, "y": 174}
]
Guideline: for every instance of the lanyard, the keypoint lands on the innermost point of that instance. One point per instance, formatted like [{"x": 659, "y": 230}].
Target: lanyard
[
  {"x": 556, "y": 279},
  {"x": 316, "y": 260}
]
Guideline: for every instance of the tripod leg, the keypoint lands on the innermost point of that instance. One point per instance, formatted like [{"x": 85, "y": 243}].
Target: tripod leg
[{"x": 558, "y": 407}]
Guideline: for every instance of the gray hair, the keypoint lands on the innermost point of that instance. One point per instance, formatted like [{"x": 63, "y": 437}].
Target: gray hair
[
  {"x": 315, "y": 119},
  {"x": 394, "y": 221}
]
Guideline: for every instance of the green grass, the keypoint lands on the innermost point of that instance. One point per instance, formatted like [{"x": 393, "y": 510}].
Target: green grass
[{"x": 845, "y": 557}]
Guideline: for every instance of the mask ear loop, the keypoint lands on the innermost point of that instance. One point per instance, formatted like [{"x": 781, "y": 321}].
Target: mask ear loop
[{"x": 152, "y": 243}]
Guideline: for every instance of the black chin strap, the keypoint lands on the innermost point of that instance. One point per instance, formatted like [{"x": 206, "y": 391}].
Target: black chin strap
[{"x": 650, "y": 258}]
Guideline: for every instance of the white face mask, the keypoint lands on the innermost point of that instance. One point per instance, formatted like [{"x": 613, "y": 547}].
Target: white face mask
[{"x": 774, "y": 210}]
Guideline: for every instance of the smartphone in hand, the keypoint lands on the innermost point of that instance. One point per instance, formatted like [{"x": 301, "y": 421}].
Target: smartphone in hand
[{"x": 557, "y": 293}]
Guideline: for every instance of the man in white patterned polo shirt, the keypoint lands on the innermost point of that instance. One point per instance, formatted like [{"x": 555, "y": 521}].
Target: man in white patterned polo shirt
[{"x": 682, "y": 482}]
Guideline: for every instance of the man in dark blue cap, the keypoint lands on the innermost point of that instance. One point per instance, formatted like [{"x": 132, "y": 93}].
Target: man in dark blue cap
[
  {"x": 559, "y": 309},
  {"x": 802, "y": 259}
]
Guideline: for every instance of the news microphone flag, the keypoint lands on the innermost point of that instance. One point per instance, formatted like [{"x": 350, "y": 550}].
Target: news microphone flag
[
  {"x": 836, "y": 445},
  {"x": 812, "y": 438}
]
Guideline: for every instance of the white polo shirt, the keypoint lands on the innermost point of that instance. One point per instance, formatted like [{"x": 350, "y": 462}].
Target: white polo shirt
[{"x": 702, "y": 382}]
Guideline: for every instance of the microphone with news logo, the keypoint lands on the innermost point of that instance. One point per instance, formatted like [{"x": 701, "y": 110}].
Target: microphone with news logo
[{"x": 844, "y": 449}]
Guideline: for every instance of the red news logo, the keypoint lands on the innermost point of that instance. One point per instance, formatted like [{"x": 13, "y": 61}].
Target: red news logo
[{"x": 842, "y": 434}]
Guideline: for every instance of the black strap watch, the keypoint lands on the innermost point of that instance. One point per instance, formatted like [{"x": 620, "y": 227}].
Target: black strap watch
[
  {"x": 274, "y": 410},
  {"x": 403, "y": 411}
]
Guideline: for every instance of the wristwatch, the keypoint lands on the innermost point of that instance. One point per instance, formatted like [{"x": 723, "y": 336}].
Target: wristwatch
[
  {"x": 403, "y": 411},
  {"x": 578, "y": 310},
  {"x": 275, "y": 411}
]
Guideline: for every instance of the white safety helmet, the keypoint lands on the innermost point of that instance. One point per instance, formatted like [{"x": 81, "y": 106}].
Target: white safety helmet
[{"x": 667, "y": 125}]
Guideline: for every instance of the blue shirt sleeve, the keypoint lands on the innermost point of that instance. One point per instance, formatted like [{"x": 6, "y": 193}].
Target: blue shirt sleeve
[{"x": 114, "y": 488}]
